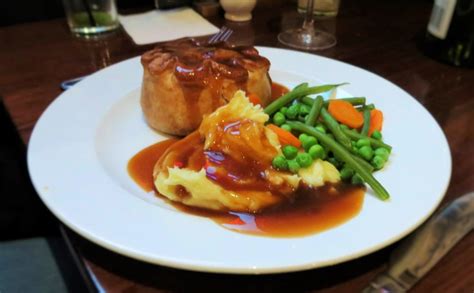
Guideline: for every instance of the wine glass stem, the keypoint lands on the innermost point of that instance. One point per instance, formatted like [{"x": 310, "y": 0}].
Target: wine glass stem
[{"x": 308, "y": 24}]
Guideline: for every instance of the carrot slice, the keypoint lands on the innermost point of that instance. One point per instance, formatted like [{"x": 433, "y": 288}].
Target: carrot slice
[
  {"x": 376, "y": 121},
  {"x": 254, "y": 99},
  {"x": 345, "y": 113},
  {"x": 285, "y": 137}
]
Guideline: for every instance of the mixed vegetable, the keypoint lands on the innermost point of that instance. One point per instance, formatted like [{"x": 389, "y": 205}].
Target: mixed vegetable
[{"x": 345, "y": 132}]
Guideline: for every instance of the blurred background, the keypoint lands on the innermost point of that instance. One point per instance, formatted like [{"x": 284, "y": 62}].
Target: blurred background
[{"x": 15, "y": 12}]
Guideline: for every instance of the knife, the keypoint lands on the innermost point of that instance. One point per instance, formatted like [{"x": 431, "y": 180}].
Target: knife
[{"x": 417, "y": 254}]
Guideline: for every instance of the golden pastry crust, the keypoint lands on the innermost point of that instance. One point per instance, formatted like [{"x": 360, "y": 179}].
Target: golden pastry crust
[{"x": 184, "y": 80}]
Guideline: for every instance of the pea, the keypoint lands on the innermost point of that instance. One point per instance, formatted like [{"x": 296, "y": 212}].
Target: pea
[
  {"x": 320, "y": 129},
  {"x": 362, "y": 142},
  {"x": 382, "y": 152},
  {"x": 355, "y": 150},
  {"x": 377, "y": 135},
  {"x": 317, "y": 152},
  {"x": 283, "y": 110},
  {"x": 378, "y": 162},
  {"x": 289, "y": 152},
  {"x": 304, "y": 160},
  {"x": 309, "y": 142},
  {"x": 321, "y": 125},
  {"x": 302, "y": 137},
  {"x": 286, "y": 127},
  {"x": 292, "y": 112},
  {"x": 357, "y": 180},
  {"x": 366, "y": 152},
  {"x": 346, "y": 173},
  {"x": 344, "y": 127},
  {"x": 304, "y": 110},
  {"x": 279, "y": 118},
  {"x": 280, "y": 163},
  {"x": 293, "y": 166}
]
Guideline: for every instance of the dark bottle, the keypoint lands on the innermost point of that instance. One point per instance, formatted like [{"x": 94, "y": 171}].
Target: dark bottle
[{"x": 450, "y": 33}]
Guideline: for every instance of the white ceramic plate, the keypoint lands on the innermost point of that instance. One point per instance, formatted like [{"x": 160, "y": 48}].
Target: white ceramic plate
[{"x": 80, "y": 147}]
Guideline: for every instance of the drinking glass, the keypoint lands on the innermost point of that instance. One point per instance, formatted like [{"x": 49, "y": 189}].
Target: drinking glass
[
  {"x": 307, "y": 37},
  {"x": 86, "y": 17}
]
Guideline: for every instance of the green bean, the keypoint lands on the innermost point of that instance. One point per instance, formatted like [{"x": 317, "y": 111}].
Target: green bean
[
  {"x": 298, "y": 92},
  {"x": 301, "y": 86},
  {"x": 345, "y": 156},
  {"x": 365, "y": 128},
  {"x": 354, "y": 135},
  {"x": 357, "y": 180},
  {"x": 333, "y": 126},
  {"x": 370, "y": 107},
  {"x": 364, "y": 163},
  {"x": 353, "y": 100},
  {"x": 314, "y": 113}
]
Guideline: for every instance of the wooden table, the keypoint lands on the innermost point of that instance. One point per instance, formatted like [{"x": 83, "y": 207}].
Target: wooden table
[{"x": 379, "y": 36}]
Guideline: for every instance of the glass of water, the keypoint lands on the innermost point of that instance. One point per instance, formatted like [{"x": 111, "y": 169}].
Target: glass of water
[{"x": 87, "y": 17}]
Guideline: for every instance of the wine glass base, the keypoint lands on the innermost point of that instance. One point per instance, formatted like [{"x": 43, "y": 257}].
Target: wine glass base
[{"x": 311, "y": 41}]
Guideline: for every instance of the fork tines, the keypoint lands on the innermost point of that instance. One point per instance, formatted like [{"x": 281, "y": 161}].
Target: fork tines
[{"x": 221, "y": 36}]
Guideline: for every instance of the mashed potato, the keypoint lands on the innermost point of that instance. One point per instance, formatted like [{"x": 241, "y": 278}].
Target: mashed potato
[{"x": 236, "y": 131}]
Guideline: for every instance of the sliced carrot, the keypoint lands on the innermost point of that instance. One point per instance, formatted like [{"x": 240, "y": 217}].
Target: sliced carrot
[
  {"x": 254, "y": 99},
  {"x": 345, "y": 113},
  {"x": 285, "y": 137},
  {"x": 376, "y": 121}
]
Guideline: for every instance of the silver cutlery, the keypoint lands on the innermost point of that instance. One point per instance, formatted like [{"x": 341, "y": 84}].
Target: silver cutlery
[
  {"x": 221, "y": 36},
  {"x": 70, "y": 82},
  {"x": 420, "y": 252}
]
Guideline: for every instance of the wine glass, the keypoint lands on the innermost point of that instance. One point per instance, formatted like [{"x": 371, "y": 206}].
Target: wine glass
[{"x": 307, "y": 37}]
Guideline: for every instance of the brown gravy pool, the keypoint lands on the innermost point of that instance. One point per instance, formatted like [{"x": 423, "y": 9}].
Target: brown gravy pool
[{"x": 313, "y": 210}]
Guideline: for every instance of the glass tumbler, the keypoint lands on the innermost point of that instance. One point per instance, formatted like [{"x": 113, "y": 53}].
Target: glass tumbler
[{"x": 87, "y": 17}]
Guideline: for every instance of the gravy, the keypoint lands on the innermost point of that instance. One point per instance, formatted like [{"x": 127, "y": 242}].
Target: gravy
[{"x": 313, "y": 210}]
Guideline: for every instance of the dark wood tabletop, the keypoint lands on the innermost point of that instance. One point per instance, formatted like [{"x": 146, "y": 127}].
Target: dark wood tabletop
[{"x": 380, "y": 36}]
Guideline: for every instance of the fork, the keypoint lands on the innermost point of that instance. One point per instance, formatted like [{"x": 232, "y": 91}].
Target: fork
[{"x": 221, "y": 36}]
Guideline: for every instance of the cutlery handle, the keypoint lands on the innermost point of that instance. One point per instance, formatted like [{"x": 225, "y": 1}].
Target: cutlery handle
[
  {"x": 65, "y": 85},
  {"x": 426, "y": 246}
]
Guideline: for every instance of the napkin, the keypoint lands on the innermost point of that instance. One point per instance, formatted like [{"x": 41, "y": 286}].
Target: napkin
[{"x": 158, "y": 25}]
